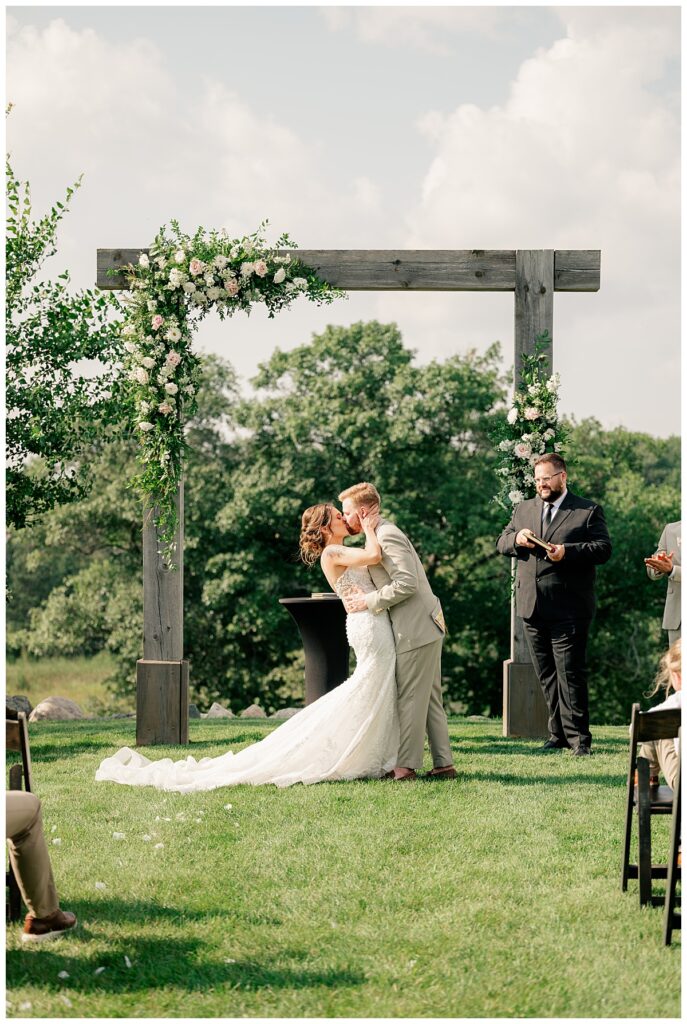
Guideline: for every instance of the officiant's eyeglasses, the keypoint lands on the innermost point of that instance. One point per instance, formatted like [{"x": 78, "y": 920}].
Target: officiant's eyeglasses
[{"x": 545, "y": 479}]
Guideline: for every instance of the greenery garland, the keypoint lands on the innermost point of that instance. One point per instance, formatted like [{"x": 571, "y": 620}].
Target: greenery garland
[
  {"x": 173, "y": 286},
  {"x": 530, "y": 428}
]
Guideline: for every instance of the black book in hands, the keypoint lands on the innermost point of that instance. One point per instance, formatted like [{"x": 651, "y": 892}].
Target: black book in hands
[{"x": 538, "y": 540}]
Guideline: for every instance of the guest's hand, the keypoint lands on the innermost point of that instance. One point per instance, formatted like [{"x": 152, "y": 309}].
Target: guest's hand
[
  {"x": 556, "y": 552},
  {"x": 355, "y": 603},
  {"x": 661, "y": 562},
  {"x": 522, "y": 539}
]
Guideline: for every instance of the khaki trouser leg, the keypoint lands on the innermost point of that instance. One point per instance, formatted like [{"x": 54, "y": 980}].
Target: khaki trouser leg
[
  {"x": 418, "y": 677},
  {"x": 437, "y": 726},
  {"x": 29, "y": 853},
  {"x": 661, "y": 754}
]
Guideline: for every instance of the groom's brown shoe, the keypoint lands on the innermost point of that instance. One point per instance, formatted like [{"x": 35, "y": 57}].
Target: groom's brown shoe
[
  {"x": 449, "y": 772},
  {"x": 408, "y": 777}
]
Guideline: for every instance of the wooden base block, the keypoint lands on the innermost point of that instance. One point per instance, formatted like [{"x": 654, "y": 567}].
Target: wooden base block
[
  {"x": 161, "y": 702},
  {"x": 524, "y": 708}
]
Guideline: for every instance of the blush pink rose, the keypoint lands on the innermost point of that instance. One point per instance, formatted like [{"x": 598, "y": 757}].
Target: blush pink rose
[
  {"x": 231, "y": 286},
  {"x": 157, "y": 322},
  {"x": 196, "y": 266},
  {"x": 260, "y": 268},
  {"x": 173, "y": 358}
]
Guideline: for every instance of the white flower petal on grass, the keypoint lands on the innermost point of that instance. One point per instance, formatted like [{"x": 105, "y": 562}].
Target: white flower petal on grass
[
  {"x": 147, "y": 838},
  {"x": 57, "y": 842},
  {"x": 411, "y": 963},
  {"x": 127, "y": 961},
  {"x": 100, "y": 885},
  {"x": 181, "y": 816},
  {"x": 166, "y": 819},
  {"x": 228, "y": 960},
  {"x": 227, "y": 807},
  {"x": 99, "y": 970},
  {"x": 66, "y": 1000},
  {"x": 63, "y": 975},
  {"x": 25, "y": 1006},
  {"x": 118, "y": 835},
  {"x": 198, "y": 821},
  {"x": 159, "y": 846},
  {"x": 53, "y": 828}
]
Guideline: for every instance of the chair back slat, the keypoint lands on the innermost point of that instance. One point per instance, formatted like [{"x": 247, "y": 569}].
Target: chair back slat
[
  {"x": 17, "y": 738},
  {"x": 657, "y": 725}
]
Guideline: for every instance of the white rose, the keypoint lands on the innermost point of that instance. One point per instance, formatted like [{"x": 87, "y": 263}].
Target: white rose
[
  {"x": 260, "y": 268},
  {"x": 549, "y": 433},
  {"x": 553, "y": 383},
  {"x": 144, "y": 425},
  {"x": 247, "y": 269},
  {"x": 300, "y": 282},
  {"x": 512, "y": 415},
  {"x": 180, "y": 256},
  {"x": 129, "y": 346},
  {"x": 171, "y": 389},
  {"x": 148, "y": 362},
  {"x": 516, "y": 497},
  {"x": 143, "y": 260},
  {"x": 522, "y": 450},
  {"x": 279, "y": 276},
  {"x": 129, "y": 331},
  {"x": 189, "y": 287},
  {"x": 173, "y": 358},
  {"x": 209, "y": 279},
  {"x": 145, "y": 408},
  {"x": 532, "y": 413},
  {"x": 165, "y": 408},
  {"x": 189, "y": 389},
  {"x": 141, "y": 375},
  {"x": 214, "y": 294},
  {"x": 505, "y": 445},
  {"x": 173, "y": 334}
]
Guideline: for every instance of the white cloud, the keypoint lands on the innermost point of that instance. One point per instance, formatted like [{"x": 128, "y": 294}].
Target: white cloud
[
  {"x": 583, "y": 154},
  {"x": 429, "y": 29}
]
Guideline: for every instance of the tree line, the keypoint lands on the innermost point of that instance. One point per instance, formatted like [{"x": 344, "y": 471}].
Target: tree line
[{"x": 349, "y": 405}]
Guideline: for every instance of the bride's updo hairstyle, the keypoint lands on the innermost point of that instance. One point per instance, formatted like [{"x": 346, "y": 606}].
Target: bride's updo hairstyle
[{"x": 313, "y": 539}]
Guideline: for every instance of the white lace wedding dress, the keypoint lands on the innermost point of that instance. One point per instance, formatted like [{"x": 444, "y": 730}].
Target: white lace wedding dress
[{"x": 350, "y": 733}]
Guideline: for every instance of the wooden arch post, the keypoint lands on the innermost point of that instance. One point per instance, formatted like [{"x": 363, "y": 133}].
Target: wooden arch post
[{"x": 533, "y": 275}]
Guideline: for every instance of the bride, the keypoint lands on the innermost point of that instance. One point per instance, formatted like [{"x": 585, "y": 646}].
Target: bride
[{"x": 350, "y": 733}]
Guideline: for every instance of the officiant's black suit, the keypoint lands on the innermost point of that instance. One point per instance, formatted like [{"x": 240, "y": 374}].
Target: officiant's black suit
[{"x": 556, "y": 600}]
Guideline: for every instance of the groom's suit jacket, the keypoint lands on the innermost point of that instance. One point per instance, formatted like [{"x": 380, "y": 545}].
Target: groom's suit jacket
[
  {"x": 671, "y": 541},
  {"x": 404, "y": 591},
  {"x": 565, "y": 589}
]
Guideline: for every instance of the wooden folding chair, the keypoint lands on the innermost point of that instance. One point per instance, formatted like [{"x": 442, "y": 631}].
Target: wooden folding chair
[
  {"x": 672, "y": 918},
  {"x": 644, "y": 800},
  {"x": 17, "y": 739}
]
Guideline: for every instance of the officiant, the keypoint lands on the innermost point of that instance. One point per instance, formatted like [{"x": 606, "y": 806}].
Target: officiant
[{"x": 554, "y": 594}]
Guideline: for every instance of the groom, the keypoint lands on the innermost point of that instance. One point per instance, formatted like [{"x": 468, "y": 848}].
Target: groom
[{"x": 418, "y": 626}]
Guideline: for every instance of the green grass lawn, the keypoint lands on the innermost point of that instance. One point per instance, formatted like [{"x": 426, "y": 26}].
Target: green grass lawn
[
  {"x": 496, "y": 895},
  {"x": 79, "y": 679}
]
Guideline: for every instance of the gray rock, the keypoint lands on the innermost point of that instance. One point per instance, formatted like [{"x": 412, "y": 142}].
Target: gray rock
[
  {"x": 193, "y": 711},
  {"x": 286, "y": 713},
  {"x": 56, "y": 709},
  {"x": 217, "y": 711},
  {"x": 19, "y": 704},
  {"x": 254, "y": 711}
]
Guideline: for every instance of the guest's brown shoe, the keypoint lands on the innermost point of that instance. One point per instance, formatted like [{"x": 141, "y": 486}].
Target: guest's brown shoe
[
  {"x": 42, "y": 929},
  {"x": 409, "y": 777},
  {"x": 449, "y": 772}
]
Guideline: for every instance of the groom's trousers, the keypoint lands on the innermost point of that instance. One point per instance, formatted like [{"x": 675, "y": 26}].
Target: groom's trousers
[{"x": 420, "y": 707}]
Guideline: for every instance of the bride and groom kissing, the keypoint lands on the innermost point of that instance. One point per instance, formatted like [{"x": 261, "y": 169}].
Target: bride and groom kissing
[{"x": 371, "y": 726}]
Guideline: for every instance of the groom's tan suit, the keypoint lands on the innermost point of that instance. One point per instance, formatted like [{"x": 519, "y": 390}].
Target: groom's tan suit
[{"x": 418, "y": 626}]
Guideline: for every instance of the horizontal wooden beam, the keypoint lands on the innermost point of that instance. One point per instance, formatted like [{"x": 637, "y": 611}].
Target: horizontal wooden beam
[{"x": 458, "y": 270}]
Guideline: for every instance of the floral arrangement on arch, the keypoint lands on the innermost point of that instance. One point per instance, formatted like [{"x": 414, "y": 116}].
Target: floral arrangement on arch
[
  {"x": 175, "y": 283},
  {"x": 530, "y": 429}
]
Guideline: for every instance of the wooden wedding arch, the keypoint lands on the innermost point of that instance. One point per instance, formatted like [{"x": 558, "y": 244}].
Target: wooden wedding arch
[{"x": 533, "y": 275}]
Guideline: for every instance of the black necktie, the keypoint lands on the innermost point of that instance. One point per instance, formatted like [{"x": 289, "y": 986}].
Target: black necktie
[{"x": 548, "y": 511}]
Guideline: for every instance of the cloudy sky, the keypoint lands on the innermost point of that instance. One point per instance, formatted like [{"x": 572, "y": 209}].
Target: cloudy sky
[{"x": 381, "y": 127}]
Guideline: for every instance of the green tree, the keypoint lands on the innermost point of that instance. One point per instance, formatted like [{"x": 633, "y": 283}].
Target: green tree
[{"x": 61, "y": 354}]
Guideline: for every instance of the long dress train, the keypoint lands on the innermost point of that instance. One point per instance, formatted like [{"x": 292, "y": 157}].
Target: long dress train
[{"x": 350, "y": 733}]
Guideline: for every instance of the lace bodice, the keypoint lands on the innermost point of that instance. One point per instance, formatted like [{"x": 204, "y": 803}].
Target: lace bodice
[{"x": 352, "y": 580}]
